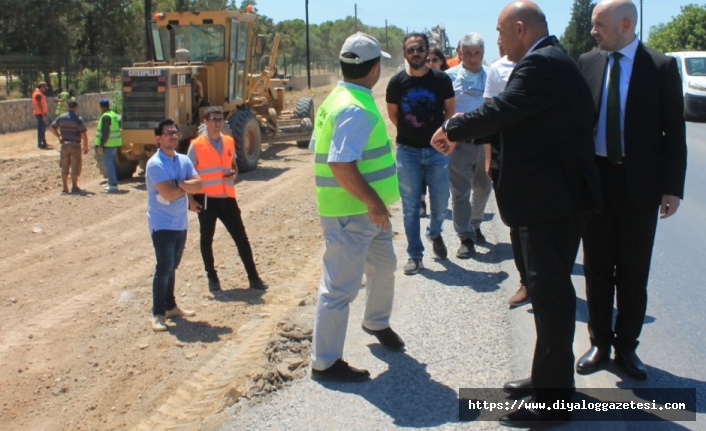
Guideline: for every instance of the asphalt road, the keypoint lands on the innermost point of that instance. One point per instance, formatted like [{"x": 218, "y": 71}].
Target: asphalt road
[
  {"x": 459, "y": 333},
  {"x": 672, "y": 341}
]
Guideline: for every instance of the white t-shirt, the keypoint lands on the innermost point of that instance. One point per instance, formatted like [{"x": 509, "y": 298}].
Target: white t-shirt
[{"x": 498, "y": 75}]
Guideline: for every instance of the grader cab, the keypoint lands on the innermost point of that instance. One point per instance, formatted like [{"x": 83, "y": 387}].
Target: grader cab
[{"x": 203, "y": 59}]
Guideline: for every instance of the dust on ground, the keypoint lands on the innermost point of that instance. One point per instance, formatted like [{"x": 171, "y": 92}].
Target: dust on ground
[{"x": 76, "y": 348}]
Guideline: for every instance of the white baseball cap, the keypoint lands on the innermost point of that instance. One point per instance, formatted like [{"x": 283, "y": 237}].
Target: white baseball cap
[{"x": 364, "y": 46}]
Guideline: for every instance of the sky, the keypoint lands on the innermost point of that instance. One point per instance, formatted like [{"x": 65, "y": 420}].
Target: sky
[{"x": 458, "y": 16}]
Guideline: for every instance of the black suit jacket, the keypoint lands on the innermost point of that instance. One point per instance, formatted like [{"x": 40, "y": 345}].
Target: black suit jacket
[
  {"x": 654, "y": 133},
  {"x": 545, "y": 117}
]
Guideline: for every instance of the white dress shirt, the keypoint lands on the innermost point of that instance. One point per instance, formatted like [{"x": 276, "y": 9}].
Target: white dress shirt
[{"x": 626, "y": 63}]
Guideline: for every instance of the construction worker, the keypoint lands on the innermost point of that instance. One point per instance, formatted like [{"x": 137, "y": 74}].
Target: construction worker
[
  {"x": 213, "y": 155},
  {"x": 39, "y": 101},
  {"x": 62, "y": 99},
  {"x": 71, "y": 131},
  {"x": 107, "y": 143}
]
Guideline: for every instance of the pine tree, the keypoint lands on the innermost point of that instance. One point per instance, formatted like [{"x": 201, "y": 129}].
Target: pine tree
[{"x": 577, "y": 37}]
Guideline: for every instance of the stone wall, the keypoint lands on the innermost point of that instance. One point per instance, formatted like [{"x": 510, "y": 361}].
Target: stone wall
[{"x": 16, "y": 115}]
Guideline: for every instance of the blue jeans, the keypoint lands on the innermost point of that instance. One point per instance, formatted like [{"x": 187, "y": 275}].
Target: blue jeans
[
  {"x": 109, "y": 165},
  {"x": 41, "y": 129},
  {"x": 413, "y": 166},
  {"x": 168, "y": 248}
]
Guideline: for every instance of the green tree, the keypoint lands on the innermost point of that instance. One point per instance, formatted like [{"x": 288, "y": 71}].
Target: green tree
[
  {"x": 685, "y": 32},
  {"x": 45, "y": 29},
  {"x": 577, "y": 37}
]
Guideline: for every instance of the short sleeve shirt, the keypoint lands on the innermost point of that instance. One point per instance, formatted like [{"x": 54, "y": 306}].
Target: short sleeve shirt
[
  {"x": 70, "y": 127},
  {"x": 421, "y": 101},
  {"x": 161, "y": 213},
  {"x": 217, "y": 145},
  {"x": 498, "y": 75},
  {"x": 351, "y": 131}
]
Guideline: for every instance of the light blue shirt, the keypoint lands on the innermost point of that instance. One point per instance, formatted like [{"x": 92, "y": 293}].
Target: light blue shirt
[
  {"x": 351, "y": 131},
  {"x": 161, "y": 213},
  {"x": 468, "y": 87},
  {"x": 626, "y": 63}
]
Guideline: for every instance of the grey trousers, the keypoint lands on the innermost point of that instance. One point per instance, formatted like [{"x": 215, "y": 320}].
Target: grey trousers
[
  {"x": 466, "y": 174},
  {"x": 354, "y": 247}
]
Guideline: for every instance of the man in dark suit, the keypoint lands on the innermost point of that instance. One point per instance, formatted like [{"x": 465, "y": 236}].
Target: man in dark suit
[
  {"x": 547, "y": 187},
  {"x": 641, "y": 155}
]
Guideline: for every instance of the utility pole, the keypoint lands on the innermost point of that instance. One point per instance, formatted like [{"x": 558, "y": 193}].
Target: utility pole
[
  {"x": 387, "y": 43},
  {"x": 356, "y": 17},
  {"x": 148, "y": 33},
  {"x": 308, "y": 61}
]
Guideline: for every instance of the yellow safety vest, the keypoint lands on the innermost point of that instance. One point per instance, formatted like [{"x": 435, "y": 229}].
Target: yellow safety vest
[
  {"x": 114, "y": 139},
  {"x": 377, "y": 163}
]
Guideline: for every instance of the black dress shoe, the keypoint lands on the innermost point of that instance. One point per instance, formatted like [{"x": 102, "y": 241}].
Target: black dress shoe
[
  {"x": 387, "y": 337},
  {"x": 519, "y": 388},
  {"x": 340, "y": 371},
  {"x": 530, "y": 418},
  {"x": 631, "y": 364},
  {"x": 592, "y": 360}
]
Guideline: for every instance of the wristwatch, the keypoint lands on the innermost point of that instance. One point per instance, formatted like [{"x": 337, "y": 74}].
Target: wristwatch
[{"x": 444, "y": 125}]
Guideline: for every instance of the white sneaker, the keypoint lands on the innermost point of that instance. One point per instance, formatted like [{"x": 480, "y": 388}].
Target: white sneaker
[
  {"x": 178, "y": 312},
  {"x": 158, "y": 324},
  {"x": 111, "y": 189}
]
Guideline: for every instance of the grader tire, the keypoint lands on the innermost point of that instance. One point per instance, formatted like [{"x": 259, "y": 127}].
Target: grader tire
[
  {"x": 248, "y": 145},
  {"x": 305, "y": 109}
]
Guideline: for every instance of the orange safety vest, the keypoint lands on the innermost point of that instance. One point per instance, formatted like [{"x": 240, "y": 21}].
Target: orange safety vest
[
  {"x": 40, "y": 107},
  {"x": 211, "y": 167}
]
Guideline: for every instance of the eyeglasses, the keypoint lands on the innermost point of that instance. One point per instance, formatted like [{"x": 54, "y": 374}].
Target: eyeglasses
[
  {"x": 412, "y": 49},
  {"x": 170, "y": 133},
  {"x": 433, "y": 60},
  {"x": 216, "y": 120}
]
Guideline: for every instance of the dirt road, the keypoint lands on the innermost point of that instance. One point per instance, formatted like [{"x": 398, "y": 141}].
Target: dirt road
[{"x": 76, "y": 348}]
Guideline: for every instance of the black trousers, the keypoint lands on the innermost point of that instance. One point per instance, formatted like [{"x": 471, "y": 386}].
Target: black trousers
[
  {"x": 617, "y": 247},
  {"x": 226, "y": 210},
  {"x": 514, "y": 237},
  {"x": 551, "y": 250}
]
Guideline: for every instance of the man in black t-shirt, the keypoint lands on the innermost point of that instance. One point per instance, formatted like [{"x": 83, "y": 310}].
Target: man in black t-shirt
[{"x": 419, "y": 99}]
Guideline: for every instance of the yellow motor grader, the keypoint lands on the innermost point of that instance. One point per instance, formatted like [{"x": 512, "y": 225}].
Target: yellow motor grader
[{"x": 203, "y": 59}]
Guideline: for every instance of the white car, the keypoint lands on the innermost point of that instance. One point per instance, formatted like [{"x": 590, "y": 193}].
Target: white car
[{"x": 692, "y": 68}]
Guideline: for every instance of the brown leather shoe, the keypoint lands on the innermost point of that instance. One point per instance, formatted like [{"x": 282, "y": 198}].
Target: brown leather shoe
[{"x": 521, "y": 297}]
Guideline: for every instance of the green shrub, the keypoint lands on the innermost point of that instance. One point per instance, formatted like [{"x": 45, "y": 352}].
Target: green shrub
[
  {"x": 116, "y": 97},
  {"x": 89, "y": 82}
]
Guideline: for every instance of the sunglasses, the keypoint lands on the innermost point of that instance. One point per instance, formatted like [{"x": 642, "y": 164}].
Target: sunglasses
[
  {"x": 412, "y": 50},
  {"x": 215, "y": 120},
  {"x": 433, "y": 60},
  {"x": 170, "y": 133}
]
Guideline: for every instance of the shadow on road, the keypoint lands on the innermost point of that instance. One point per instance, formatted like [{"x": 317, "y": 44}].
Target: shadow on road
[{"x": 405, "y": 392}]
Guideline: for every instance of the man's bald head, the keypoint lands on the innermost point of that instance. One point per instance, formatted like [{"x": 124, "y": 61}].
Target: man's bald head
[
  {"x": 614, "y": 24},
  {"x": 530, "y": 15},
  {"x": 520, "y": 25}
]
